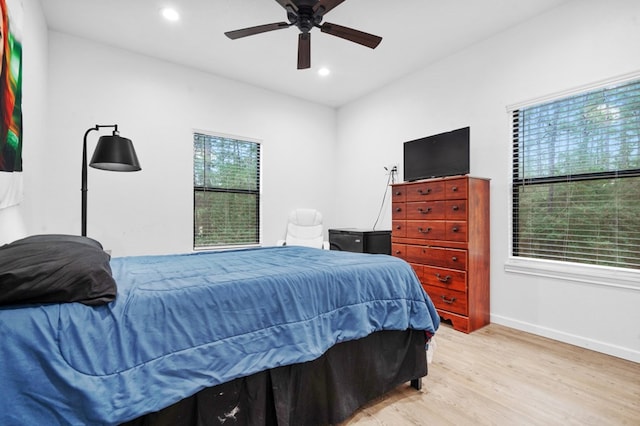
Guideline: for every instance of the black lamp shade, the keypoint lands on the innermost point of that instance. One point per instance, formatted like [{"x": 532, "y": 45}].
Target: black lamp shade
[{"x": 115, "y": 153}]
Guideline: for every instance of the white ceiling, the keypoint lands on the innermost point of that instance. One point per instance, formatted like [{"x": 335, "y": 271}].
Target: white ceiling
[{"x": 415, "y": 33}]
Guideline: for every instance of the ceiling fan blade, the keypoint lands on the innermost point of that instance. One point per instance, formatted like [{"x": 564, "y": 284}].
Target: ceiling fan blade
[
  {"x": 350, "y": 34},
  {"x": 256, "y": 30},
  {"x": 326, "y": 5},
  {"x": 304, "y": 51}
]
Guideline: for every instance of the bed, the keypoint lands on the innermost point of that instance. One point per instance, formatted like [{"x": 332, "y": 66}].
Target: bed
[{"x": 270, "y": 335}]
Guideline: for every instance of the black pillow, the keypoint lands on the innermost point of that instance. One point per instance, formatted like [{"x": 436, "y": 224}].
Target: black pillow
[{"x": 55, "y": 269}]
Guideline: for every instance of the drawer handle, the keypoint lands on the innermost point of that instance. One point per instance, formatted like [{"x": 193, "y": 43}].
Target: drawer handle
[
  {"x": 426, "y": 192},
  {"x": 446, "y": 300},
  {"x": 454, "y": 258},
  {"x": 454, "y": 188},
  {"x": 398, "y": 193},
  {"x": 398, "y": 252},
  {"x": 398, "y": 227},
  {"x": 399, "y": 209},
  {"x": 455, "y": 208},
  {"x": 424, "y": 211},
  {"x": 455, "y": 229},
  {"x": 424, "y": 231},
  {"x": 443, "y": 280}
]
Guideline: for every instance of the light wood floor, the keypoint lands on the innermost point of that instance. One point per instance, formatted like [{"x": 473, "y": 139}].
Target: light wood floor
[{"x": 500, "y": 376}]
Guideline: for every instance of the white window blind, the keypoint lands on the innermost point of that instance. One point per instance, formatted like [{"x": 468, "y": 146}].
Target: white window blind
[
  {"x": 226, "y": 184},
  {"x": 576, "y": 178}
]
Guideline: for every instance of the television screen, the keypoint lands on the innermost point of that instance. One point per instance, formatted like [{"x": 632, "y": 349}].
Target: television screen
[{"x": 445, "y": 154}]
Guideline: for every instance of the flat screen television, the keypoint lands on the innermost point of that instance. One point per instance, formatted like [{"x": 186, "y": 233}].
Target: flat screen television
[{"x": 444, "y": 154}]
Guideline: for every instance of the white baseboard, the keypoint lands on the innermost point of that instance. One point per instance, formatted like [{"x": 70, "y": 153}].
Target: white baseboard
[{"x": 583, "y": 342}]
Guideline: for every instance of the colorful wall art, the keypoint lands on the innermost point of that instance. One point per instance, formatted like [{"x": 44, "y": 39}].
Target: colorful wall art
[{"x": 11, "y": 102}]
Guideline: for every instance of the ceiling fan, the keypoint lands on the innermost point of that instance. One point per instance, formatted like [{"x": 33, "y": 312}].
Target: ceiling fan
[{"x": 307, "y": 14}]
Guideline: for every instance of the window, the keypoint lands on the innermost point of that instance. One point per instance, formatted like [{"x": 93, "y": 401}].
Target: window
[
  {"x": 576, "y": 178},
  {"x": 226, "y": 191}
]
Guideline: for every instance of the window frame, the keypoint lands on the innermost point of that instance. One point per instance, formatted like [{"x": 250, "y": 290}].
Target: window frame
[
  {"x": 609, "y": 276},
  {"x": 259, "y": 206}
]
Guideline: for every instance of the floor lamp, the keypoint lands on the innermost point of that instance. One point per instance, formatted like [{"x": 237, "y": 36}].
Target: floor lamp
[{"x": 113, "y": 153}]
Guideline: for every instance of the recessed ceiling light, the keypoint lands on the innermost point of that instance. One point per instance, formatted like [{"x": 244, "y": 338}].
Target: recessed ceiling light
[
  {"x": 170, "y": 14},
  {"x": 324, "y": 71}
]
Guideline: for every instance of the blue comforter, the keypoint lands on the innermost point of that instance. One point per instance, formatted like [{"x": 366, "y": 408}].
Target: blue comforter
[{"x": 181, "y": 323}]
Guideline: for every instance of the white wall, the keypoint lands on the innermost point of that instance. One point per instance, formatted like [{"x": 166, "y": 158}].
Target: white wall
[
  {"x": 158, "y": 105},
  {"x": 17, "y": 221},
  {"x": 580, "y": 43}
]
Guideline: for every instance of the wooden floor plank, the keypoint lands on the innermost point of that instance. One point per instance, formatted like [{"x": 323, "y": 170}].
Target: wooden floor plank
[{"x": 501, "y": 376}]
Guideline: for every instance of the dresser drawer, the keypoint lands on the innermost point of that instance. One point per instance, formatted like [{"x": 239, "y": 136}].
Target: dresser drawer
[
  {"x": 447, "y": 278},
  {"x": 437, "y": 256},
  {"x": 426, "y": 229},
  {"x": 455, "y": 209},
  {"x": 425, "y": 191},
  {"x": 448, "y": 300},
  {"x": 399, "y": 250},
  {"x": 456, "y": 189},
  {"x": 398, "y": 211},
  {"x": 399, "y": 194},
  {"x": 398, "y": 228},
  {"x": 456, "y": 231},
  {"x": 425, "y": 210}
]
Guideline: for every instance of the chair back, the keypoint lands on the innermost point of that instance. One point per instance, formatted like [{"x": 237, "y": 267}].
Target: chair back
[{"x": 304, "y": 228}]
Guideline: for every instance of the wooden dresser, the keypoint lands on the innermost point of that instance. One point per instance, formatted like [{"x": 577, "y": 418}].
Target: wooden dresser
[{"x": 441, "y": 227}]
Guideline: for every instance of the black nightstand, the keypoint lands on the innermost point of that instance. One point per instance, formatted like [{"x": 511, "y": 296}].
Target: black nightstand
[{"x": 360, "y": 240}]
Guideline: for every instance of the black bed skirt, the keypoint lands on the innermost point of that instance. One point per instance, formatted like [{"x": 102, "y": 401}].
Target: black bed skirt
[{"x": 320, "y": 392}]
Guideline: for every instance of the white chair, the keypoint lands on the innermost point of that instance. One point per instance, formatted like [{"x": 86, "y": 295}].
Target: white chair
[{"x": 304, "y": 228}]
